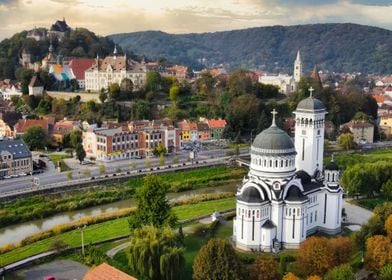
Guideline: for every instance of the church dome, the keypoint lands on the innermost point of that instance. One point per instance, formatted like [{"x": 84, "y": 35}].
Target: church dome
[
  {"x": 250, "y": 195},
  {"x": 273, "y": 138},
  {"x": 332, "y": 166},
  {"x": 311, "y": 104}
]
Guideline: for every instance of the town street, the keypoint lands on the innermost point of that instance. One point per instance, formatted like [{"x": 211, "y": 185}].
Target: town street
[{"x": 52, "y": 176}]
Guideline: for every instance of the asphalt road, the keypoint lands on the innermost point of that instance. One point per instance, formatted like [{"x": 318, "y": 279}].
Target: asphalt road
[{"x": 52, "y": 176}]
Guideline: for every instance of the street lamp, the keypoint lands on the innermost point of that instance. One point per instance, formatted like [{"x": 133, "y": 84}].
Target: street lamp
[{"x": 82, "y": 237}]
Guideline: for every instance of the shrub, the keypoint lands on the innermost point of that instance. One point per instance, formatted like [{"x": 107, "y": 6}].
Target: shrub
[{"x": 341, "y": 272}]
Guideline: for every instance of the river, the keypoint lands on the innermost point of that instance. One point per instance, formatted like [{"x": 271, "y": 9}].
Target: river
[{"x": 16, "y": 233}]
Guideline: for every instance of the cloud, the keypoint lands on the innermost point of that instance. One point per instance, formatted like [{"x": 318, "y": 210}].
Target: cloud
[{"x": 184, "y": 16}]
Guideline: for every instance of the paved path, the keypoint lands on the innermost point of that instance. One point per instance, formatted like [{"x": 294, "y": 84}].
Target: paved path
[
  {"x": 356, "y": 214},
  {"x": 112, "y": 252}
]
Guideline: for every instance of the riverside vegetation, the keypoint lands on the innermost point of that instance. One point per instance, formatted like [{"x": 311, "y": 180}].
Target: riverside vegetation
[{"x": 41, "y": 206}]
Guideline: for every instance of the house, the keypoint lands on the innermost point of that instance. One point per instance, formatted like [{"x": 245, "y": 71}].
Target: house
[
  {"x": 61, "y": 128},
  {"x": 194, "y": 132},
  {"x": 363, "y": 131},
  {"x": 24, "y": 124},
  {"x": 113, "y": 69},
  {"x": 184, "y": 128},
  {"x": 59, "y": 29},
  {"x": 203, "y": 130},
  {"x": 106, "y": 272},
  {"x": 78, "y": 67},
  {"x": 15, "y": 157},
  {"x": 178, "y": 71},
  {"x": 36, "y": 87},
  {"x": 37, "y": 34},
  {"x": 386, "y": 124},
  {"x": 388, "y": 91},
  {"x": 7, "y": 121},
  {"x": 9, "y": 89},
  {"x": 380, "y": 99},
  {"x": 216, "y": 127}
]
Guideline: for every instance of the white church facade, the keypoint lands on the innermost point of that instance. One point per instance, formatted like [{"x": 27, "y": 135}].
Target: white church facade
[
  {"x": 286, "y": 84},
  {"x": 287, "y": 194}
]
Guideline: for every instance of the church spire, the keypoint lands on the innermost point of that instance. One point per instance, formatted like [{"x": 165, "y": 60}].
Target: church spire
[{"x": 298, "y": 67}]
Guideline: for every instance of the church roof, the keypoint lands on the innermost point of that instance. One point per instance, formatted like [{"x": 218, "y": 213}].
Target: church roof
[
  {"x": 250, "y": 195},
  {"x": 311, "y": 104},
  {"x": 268, "y": 225},
  {"x": 332, "y": 166},
  {"x": 303, "y": 176},
  {"x": 273, "y": 140},
  {"x": 295, "y": 194}
]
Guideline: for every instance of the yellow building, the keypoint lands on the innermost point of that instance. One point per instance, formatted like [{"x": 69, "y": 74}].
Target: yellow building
[{"x": 386, "y": 124}]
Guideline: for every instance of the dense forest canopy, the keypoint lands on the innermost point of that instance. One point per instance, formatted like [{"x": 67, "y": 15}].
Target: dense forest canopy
[{"x": 335, "y": 47}]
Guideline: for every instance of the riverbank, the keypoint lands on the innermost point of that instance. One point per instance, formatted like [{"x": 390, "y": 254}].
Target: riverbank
[
  {"x": 110, "y": 229},
  {"x": 41, "y": 206}
]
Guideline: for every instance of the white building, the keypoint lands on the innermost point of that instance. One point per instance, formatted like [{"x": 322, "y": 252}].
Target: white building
[
  {"x": 286, "y": 84},
  {"x": 35, "y": 86},
  {"x": 113, "y": 69},
  {"x": 10, "y": 91},
  {"x": 279, "y": 203}
]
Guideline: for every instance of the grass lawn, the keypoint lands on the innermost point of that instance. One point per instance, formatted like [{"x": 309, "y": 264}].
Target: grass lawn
[
  {"x": 370, "y": 203},
  {"x": 59, "y": 158},
  {"x": 345, "y": 160},
  {"x": 111, "y": 229}
]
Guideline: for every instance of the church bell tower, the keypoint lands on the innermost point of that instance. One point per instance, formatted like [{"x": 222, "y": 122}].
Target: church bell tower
[{"x": 298, "y": 68}]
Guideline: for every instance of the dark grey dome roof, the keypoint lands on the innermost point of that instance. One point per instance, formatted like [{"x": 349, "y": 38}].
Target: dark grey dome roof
[
  {"x": 273, "y": 140},
  {"x": 332, "y": 166},
  {"x": 250, "y": 194},
  {"x": 303, "y": 176},
  {"x": 295, "y": 194},
  {"x": 311, "y": 104},
  {"x": 268, "y": 224}
]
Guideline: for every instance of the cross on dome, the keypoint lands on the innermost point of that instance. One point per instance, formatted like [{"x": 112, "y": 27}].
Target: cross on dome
[
  {"x": 274, "y": 113},
  {"x": 311, "y": 89}
]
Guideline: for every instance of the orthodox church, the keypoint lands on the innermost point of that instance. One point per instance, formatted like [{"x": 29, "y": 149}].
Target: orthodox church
[{"x": 287, "y": 194}]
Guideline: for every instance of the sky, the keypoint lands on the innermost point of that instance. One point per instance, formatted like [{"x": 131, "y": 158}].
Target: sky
[{"x": 106, "y": 17}]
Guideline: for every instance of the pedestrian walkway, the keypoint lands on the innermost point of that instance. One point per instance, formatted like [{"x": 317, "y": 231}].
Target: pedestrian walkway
[
  {"x": 356, "y": 214},
  {"x": 112, "y": 252}
]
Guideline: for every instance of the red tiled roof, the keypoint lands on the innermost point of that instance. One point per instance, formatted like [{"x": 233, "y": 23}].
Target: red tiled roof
[
  {"x": 107, "y": 272},
  {"x": 24, "y": 124},
  {"x": 217, "y": 123},
  {"x": 388, "y": 88},
  {"x": 192, "y": 126},
  {"x": 79, "y": 66},
  {"x": 379, "y": 98}
]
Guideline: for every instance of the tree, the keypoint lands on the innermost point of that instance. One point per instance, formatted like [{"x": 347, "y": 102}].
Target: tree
[
  {"x": 153, "y": 81},
  {"x": 264, "y": 268},
  {"x": 24, "y": 76},
  {"x": 388, "y": 226},
  {"x": 126, "y": 87},
  {"x": 290, "y": 276},
  {"x": 102, "y": 169},
  {"x": 386, "y": 189},
  {"x": 162, "y": 159},
  {"x": 341, "y": 272},
  {"x": 314, "y": 277},
  {"x": 114, "y": 91},
  {"x": 80, "y": 152},
  {"x": 342, "y": 248},
  {"x": 315, "y": 256},
  {"x": 160, "y": 150},
  {"x": 217, "y": 260},
  {"x": 386, "y": 272},
  {"x": 378, "y": 252},
  {"x": 153, "y": 208},
  {"x": 156, "y": 253},
  {"x": 74, "y": 84},
  {"x": 35, "y": 137},
  {"x": 205, "y": 84},
  {"x": 103, "y": 96},
  {"x": 174, "y": 92},
  {"x": 75, "y": 138},
  {"x": 240, "y": 83},
  {"x": 141, "y": 110},
  {"x": 346, "y": 141}
]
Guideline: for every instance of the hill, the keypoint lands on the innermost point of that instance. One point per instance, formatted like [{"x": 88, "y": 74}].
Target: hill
[
  {"x": 337, "y": 47},
  {"x": 80, "y": 42}
]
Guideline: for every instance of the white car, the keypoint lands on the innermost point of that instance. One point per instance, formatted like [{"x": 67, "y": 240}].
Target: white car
[
  {"x": 7, "y": 177},
  {"x": 22, "y": 174}
]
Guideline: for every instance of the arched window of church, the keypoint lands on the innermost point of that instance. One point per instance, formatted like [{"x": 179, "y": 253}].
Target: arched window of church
[
  {"x": 253, "y": 212},
  {"x": 287, "y": 162},
  {"x": 293, "y": 211},
  {"x": 311, "y": 217},
  {"x": 265, "y": 163},
  {"x": 281, "y": 163},
  {"x": 298, "y": 212},
  {"x": 270, "y": 163},
  {"x": 328, "y": 176},
  {"x": 333, "y": 177},
  {"x": 276, "y": 163},
  {"x": 289, "y": 211},
  {"x": 257, "y": 214}
]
